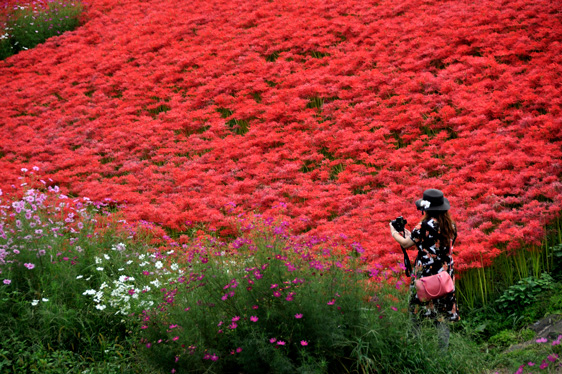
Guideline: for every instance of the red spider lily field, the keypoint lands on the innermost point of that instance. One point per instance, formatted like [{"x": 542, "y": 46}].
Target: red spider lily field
[{"x": 344, "y": 111}]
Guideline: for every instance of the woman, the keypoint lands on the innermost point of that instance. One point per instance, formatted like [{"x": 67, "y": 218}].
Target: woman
[{"x": 434, "y": 237}]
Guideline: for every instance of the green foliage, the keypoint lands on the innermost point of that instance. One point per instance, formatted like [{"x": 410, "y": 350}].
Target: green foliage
[
  {"x": 30, "y": 25},
  {"x": 524, "y": 293},
  {"x": 479, "y": 286}
]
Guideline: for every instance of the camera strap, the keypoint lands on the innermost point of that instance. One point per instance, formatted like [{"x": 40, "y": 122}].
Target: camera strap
[{"x": 407, "y": 263}]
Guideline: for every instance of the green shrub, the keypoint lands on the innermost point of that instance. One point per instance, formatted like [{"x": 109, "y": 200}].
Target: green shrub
[
  {"x": 28, "y": 25},
  {"x": 504, "y": 339},
  {"x": 524, "y": 293}
]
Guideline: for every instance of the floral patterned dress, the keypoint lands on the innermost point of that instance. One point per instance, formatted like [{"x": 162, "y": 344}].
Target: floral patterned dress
[{"x": 433, "y": 257}]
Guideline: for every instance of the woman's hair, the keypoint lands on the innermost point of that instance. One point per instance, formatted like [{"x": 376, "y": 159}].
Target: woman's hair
[{"x": 446, "y": 224}]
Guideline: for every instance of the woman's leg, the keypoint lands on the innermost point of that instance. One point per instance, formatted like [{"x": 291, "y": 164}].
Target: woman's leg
[{"x": 443, "y": 334}]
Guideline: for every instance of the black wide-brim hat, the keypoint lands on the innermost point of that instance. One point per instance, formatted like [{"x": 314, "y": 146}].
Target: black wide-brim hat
[{"x": 433, "y": 201}]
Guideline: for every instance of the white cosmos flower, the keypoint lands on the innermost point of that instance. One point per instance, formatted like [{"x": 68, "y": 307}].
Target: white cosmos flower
[
  {"x": 89, "y": 292},
  {"x": 100, "y": 307},
  {"x": 34, "y": 302},
  {"x": 44, "y": 300},
  {"x": 158, "y": 264},
  {"x": 79, "y": 277},
  {"x": 99, "y": 268},
  {"x": 174, "y": 267},
  {"x": 98, "y": 260},
  {"x": 106, "y": 256}
]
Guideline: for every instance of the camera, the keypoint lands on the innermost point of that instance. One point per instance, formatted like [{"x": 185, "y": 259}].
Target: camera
[{"x": 399, "y": 224}]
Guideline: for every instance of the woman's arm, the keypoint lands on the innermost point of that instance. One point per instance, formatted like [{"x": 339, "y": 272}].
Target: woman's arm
[{"x": 405, "y": 242}]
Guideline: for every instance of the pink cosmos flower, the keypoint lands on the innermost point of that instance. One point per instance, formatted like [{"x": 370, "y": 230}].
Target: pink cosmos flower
[
  {"x": 7, "y": 281},
  {"x": 304, "y": 343},
  {"x": 214, "y": 357},
  {"x": 148, "y": 345},
  {"x": 544, "y": 365},
  {"x": 232, "y": 326},
  {"x": 254, "y": 307},
  {"x": 394, "y": 308},
  {"x": 332, "y": 302},
  {"x": 272, "y": 340},
  {"x": 235, "y": 318},
  {"x": 254, "y": 318},
  {"x": 29, "y": 265},
  {"x": 542, "y": 340},
  {"x": 276, "y": 293},
  {"x": 239, "y": 349},
  {"x": 298, "y": 315},
  {"x": 552, "y": 357},
  {"x": 274, "y": 286},
  {"x": 280, "y": 342},
  {"x": 531, "y": 364},
  {"x": 175, "y": 338}
]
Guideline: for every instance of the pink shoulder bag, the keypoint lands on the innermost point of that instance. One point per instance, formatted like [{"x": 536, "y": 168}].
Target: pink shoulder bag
[{"x": 434, "y": 286}]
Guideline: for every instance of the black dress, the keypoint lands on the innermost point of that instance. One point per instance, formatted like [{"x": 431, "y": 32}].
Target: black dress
[{"x": 433, "y": 257}]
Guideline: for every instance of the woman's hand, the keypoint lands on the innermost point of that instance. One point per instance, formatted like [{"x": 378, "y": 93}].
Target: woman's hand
[
  {"x": 405, "y": 242},
  {"x": 393, "y": 230}
]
